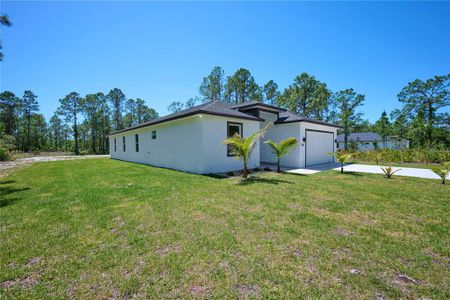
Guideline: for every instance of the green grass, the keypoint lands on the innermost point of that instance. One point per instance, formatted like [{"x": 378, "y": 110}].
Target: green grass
[{"x": 101, "y": 228}]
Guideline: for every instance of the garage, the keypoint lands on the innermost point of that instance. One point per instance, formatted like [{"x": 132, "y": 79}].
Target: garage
[{"x": 318, "y": 146}]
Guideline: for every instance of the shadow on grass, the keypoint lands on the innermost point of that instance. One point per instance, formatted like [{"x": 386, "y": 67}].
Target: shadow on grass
[
  {"x": 4, "y": 191},
  {"x": 295, "y": 174},
  {"x": 7, "y": 181},
  {"x": 215, "y": 176},
  {"x": 350, "y": 173},
  {"x": 253, "y": 180}
]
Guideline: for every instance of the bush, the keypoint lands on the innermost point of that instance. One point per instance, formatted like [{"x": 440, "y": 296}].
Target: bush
[
  {"x": 5, "y": 155},
  {"x": 424, "y": 156}
]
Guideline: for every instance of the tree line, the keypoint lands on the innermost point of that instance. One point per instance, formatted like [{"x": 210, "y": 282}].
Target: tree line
[
  {"x": 422, "y": 119},
  {"x": 80, "y": 124}
]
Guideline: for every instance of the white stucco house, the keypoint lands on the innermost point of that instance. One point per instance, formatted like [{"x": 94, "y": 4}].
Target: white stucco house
[
  {"x": 366, "y": 141},
  {"x": 191, "y": 140}
]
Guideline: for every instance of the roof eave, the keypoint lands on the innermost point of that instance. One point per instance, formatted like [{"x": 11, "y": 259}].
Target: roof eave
[
  {"x": 310, "y": 121},
  {"x": 184, "y": 116}
]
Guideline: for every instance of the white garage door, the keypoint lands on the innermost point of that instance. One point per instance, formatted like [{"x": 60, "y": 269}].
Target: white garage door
[{"x": 318, "y": 145}]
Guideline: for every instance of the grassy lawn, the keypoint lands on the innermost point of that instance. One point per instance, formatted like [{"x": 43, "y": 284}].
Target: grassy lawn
[{"x": 102, "y": 228}]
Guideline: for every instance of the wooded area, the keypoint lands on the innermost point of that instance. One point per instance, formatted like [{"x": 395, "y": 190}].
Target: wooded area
[{"x": 82, "y": 124}]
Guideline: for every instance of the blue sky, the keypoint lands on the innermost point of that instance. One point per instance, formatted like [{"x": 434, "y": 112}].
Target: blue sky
[{"x": 161, "y": 51}]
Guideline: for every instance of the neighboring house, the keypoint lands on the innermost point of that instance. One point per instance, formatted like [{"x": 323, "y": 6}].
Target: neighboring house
[
  {"x": 191, "y": 140},
  {"x": 370, "y": 141}
]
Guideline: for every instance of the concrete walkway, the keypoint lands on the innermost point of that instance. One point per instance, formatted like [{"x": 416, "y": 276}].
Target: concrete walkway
[{"x": 372, "y": 169}]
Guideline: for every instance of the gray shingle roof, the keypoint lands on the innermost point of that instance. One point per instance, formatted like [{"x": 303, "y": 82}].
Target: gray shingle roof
[
  {"x": 218, "y": 108},
  {"x": 255, "y": 103},
  {"x": 289, "y": 117}
]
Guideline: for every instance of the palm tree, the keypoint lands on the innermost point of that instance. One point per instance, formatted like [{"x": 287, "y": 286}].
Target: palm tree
[
  {"x": 342, "y": 158},
  {"x": 282, "y": 148},
  {"x": 241, "y": 148},
  {"x": 4, "y": 20}
]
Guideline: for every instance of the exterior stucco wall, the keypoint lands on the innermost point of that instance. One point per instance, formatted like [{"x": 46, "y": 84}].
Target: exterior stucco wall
[
  {"x": 178, "y": 145},
  {"x": 214, "y": 156},
  {"x": 192, "y": 144},
  {"x": 311, "y": 126},
  {"x": 277, "y": 133}
]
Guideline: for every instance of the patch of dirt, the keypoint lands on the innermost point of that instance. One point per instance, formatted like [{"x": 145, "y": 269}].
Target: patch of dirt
[
  {"x": 24, "y": 282},
  {"x": 342, "y": 253},
  {"x": 200, "y": 217},
  {"x": 341, "y": 231},
  {"x": 119, "y": 222},
  {"x": 355, "y": 272},
  {"x": 199, "y": 290},
  {"x": 33, "y": 261},
  {"x": 402, "y": 278},
  {"x": 297, "y": 253},
  {"x": 7, "y": 165},
  {"x": 247, "y": 290},
  {"x": 166, "y": 250},
  {"x": 224, "y": 265},
  {"x": 295, "y": 206},
  {"x": 438, "y": 259},
  {"x": 379, "y": 296}
]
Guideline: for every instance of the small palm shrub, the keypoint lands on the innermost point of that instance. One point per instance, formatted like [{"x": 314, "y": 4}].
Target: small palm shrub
[
  {"x": 281, "y": 149},
  {"x": 389, "y": 171},
  {"x": 442, "y": 171},
  {"x": 242, "y": 148},
  {"x": 342, "y": 157}
]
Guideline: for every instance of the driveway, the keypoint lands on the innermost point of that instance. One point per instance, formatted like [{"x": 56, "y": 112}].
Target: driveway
[
  {"x": 411, "y": 172},
  {"x": 373, "y": 169}
]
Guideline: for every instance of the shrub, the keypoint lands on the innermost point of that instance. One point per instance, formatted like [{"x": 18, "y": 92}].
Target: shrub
[
  {"x": 442, "y": 171},
  {"x": 5, "y": 155},
  {"x": 425, "y": 156},
  {"x": 389, "y": 171}
]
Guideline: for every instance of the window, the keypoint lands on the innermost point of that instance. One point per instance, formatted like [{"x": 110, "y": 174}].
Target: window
[
  {"x": 232, "y": 129},
  {"x": 124, "y": 145},
  {"x": 115, "y": 145},
  {"x": 154, "y": 135},
  {"x": 136, "y": 139}
]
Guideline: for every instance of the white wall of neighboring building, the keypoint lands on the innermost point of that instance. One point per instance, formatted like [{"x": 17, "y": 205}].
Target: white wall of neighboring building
[
  {"x": 192, "y": 144},
  {"x": 369, "y": 146}
]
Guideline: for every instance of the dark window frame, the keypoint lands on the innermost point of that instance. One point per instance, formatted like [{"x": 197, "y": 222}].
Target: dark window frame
[
  {"x": 154, "y": 135},
  {"x": 115, "y": 145},
  {"x": 124, "y": 144},
  {"x": 136, "y": 140},
  {"x": 241, "y": 126}
]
